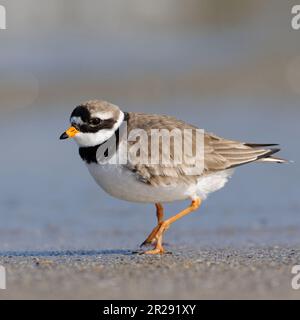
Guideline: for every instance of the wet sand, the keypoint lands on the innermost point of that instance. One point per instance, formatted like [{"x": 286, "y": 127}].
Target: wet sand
[{"x": 261, "y": 272}]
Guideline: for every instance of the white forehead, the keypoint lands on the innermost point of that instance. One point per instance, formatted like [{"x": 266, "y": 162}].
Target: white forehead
[{"x": 76, "y": 120}]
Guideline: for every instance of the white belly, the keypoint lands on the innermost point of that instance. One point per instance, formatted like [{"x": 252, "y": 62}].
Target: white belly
[{"x": 123, "y": 184}]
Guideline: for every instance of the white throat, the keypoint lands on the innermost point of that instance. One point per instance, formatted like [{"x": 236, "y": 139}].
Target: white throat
[{"x": 89, "y": 139}]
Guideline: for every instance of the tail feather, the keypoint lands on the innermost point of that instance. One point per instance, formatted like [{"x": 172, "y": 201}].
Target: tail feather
[
  {"x": 274, "y": 159},
  {"x": 259, "y": 145},
  {"x": 267, "y": 157}
]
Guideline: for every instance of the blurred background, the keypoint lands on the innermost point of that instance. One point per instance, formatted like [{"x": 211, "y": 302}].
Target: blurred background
[{"x": 231, "y": 67}]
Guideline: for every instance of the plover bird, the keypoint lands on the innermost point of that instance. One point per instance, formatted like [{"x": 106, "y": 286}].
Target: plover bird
[{"x": 96, "y": 124}]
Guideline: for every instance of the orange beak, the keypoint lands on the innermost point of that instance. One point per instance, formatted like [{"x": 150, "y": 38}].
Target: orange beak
[{"x": 70, "y": 133}]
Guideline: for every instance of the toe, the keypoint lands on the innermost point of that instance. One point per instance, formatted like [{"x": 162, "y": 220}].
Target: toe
[{"x": 154, "y": 251}]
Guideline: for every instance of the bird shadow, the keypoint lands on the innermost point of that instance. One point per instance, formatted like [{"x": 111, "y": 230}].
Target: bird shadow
[{"x": 68, "y": 253}]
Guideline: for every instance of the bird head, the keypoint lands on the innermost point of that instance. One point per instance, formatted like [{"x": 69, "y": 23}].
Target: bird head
[{"x": 93, "y": 122}]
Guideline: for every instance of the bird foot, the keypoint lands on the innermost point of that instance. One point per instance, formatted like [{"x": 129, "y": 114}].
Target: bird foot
[
  {"x": 152, "y": 236},
  {"x": 157, "y": 232},
  {"x": 155, "y": 251},
  {"x": 156, "y": 236}
]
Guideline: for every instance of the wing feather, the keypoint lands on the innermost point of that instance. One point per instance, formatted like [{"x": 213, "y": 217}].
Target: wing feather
[{"x": 219, "y": 153}]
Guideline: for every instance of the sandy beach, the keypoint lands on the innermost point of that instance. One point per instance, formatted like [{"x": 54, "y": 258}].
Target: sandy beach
[{"x": 206, "y": 273}]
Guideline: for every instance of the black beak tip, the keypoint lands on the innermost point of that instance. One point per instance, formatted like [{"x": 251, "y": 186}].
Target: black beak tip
[{"x": 63, "y": 136}]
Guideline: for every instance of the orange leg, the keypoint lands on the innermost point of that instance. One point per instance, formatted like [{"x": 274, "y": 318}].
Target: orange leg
[
  {"x": 160, "y": 217},
  {"x": 164, "y": 225}
]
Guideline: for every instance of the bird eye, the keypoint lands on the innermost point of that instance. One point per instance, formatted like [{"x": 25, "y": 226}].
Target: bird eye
[{"x": 95, "y": 121}]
